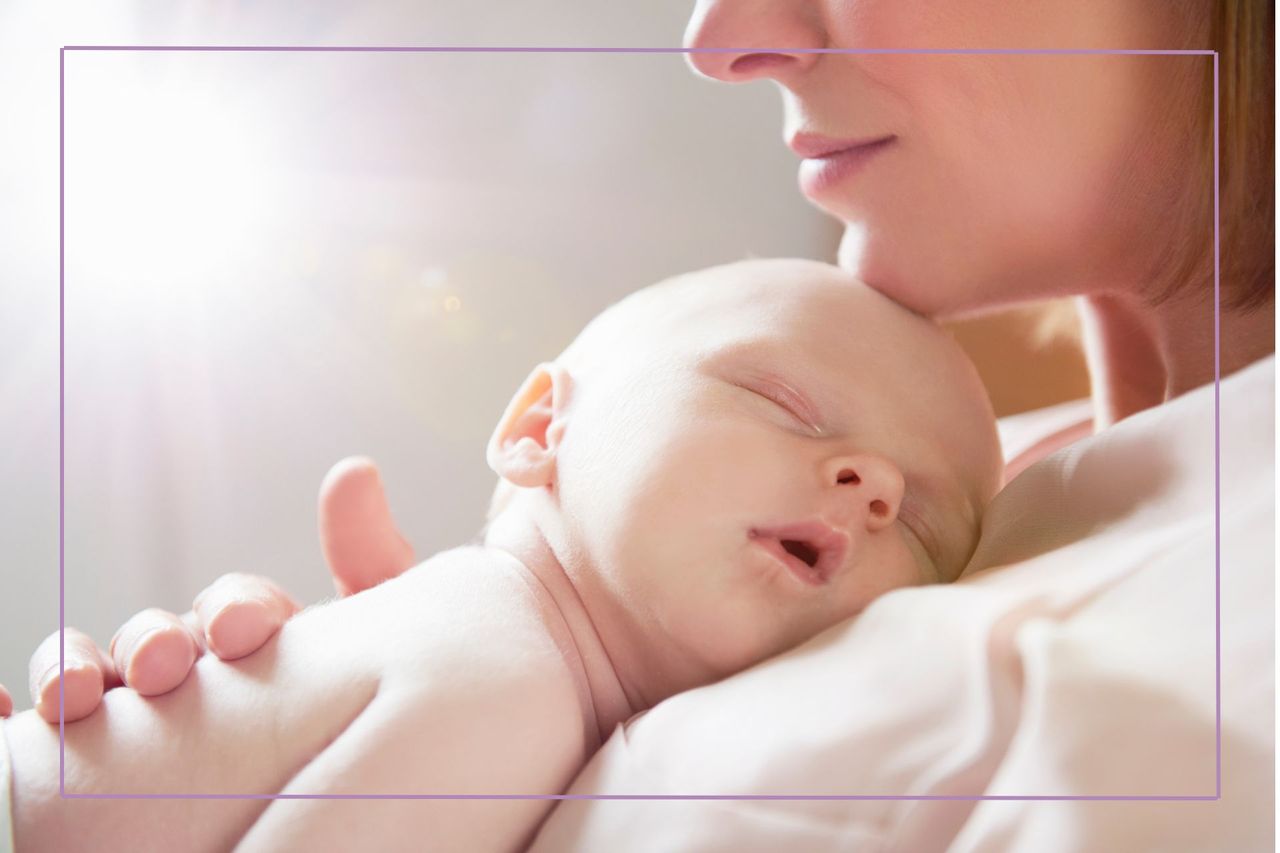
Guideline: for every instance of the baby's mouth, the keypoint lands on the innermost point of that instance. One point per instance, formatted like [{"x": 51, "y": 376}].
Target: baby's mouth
[{"x": 812, "y": 550}]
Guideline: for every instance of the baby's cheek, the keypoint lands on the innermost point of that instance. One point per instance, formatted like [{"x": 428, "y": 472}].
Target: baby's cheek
[{"x": 889, "y": 567}]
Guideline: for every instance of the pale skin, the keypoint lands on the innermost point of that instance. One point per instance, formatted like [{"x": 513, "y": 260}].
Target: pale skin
[
  {"x": 942, "y": 222},
  {"x": 1011, "y": 179},
  {"x": 794, "y": 480},
  {"x": 234, "y": 616},
  {"x": 451, "y": 682}
]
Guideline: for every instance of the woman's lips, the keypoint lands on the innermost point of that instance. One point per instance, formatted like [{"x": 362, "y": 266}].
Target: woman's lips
[{"x": 827, "y": 163}]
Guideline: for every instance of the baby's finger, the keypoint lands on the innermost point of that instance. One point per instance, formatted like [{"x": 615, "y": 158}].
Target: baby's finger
[
  {"x": 6, "y": 702},
  {"x": 153, "y": 651},
  {"x": 357, "y": 533},
  {"x": 240, "y": 612},
  {"x": 87, "y": 672}
]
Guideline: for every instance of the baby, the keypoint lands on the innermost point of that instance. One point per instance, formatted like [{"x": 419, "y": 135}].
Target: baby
[{"x": 720, "y": 467}]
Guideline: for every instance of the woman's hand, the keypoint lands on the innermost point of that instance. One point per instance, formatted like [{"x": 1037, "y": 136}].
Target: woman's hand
[{"x": 154, "y": 651}]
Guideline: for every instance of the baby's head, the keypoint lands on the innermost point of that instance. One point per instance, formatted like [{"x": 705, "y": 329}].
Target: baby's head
[{"x": 729, "y": 462}]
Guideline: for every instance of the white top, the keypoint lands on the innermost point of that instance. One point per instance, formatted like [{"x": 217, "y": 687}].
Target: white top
[
  {"x": 1084, "y": 666},
  {"x": 6, "y": 797}
]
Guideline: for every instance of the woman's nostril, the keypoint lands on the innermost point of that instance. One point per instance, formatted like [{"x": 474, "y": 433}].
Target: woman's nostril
[
  {"x": 879, "y": 508},
  {"x": 752, "y": 64},
  {"x": 848, "y": 477}
]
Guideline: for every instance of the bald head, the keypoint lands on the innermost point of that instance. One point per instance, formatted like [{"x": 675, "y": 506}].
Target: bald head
[
  {"x": 731, "y": 461},
  {"x": 875, "y": 371}
]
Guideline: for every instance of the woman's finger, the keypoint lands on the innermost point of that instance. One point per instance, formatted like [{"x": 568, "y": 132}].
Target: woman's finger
[
  {"x": 154, "y": 651},
  {"x": 357, "y": 533},
  {"x": 197, "y": 631},
  {"x": 238, "y": 613},
  {"x": 86, "y": 673}
]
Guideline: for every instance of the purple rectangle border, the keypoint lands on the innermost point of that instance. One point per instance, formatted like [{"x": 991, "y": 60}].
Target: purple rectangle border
[{"x": 1217, "y": 467}]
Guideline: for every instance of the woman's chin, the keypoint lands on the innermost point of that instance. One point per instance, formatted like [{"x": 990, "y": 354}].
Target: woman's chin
[{"x": 930, "y": 294}]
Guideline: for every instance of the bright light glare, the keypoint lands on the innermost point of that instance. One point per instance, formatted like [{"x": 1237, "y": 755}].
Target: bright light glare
[
  {"x": 169, "y": 178},
  {"x": 175, "y": 199}
]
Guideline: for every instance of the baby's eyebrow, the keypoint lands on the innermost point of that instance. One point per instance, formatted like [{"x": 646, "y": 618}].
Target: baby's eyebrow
[{"x": 758, "y": 348}]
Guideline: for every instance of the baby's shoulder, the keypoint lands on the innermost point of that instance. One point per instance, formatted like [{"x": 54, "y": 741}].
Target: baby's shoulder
[
  {"x": 473, "y": 635},
  {"x": 471, "y": 613}
]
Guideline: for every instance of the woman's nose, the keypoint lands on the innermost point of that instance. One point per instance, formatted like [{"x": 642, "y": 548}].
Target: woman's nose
[
  {"x": 864, "y": 488},
  {"x": 740, "y": 40}
]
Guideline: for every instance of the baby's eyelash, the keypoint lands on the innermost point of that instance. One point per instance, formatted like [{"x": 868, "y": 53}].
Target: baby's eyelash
[
  {"x": 760, "y": 392},
  {"x": 773, "y": 398},
  {"x": 781, "y": 400}
]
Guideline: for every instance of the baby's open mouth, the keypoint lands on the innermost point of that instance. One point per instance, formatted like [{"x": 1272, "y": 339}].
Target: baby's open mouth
[
  {"x": 803, "y": 550},
  {"x": 812, "y": 550}
]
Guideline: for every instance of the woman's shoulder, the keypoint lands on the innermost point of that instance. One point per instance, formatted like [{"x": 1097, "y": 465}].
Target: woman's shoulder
[
  {"x": 1158, "y": 470},
  {"x": 1028, "y": 437}
]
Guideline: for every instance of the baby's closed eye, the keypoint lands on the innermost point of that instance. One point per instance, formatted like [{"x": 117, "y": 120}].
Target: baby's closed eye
[{"x": 786, "y": 398}]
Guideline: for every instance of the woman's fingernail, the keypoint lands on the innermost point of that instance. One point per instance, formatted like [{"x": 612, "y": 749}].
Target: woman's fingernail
[
  {"x": 127, "y": 654},
  {"x": 51, "y": 674},
  {"x": 42, "y": 684},
  {"x": 238, "y": 628}
]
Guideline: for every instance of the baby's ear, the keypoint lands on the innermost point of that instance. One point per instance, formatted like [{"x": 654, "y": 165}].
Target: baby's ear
[{"x": 522, "y": 449}]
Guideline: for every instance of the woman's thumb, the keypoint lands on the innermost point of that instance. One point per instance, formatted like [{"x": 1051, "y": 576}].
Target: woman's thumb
[{"x": 357, "y": 533}]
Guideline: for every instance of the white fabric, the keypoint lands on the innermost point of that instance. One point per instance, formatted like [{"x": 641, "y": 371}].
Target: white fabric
[
  {"x": 6, "y": 795},
  {"x": 1084, "y": 666},
  {"x": 1020, "y": 432}
]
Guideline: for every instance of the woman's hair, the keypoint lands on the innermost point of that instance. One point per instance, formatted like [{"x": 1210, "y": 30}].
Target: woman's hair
[
  {"x": 1242, "y": 32},
  {"x": 1244, "y": 36}
]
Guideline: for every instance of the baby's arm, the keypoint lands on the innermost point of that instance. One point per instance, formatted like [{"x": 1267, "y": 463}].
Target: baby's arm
[
  {"x": 517, "y": 735},
  {"x": 492, "y": 711}
]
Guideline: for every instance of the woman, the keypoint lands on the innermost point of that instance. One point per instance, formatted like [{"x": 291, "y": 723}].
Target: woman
[{"x": 966, "y": 183}]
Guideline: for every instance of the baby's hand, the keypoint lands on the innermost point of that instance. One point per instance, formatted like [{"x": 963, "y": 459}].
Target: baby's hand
[{"x": 154, "y": 651}]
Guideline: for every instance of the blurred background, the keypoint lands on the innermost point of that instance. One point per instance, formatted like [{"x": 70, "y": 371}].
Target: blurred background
[{"x": 275, "y": 260}]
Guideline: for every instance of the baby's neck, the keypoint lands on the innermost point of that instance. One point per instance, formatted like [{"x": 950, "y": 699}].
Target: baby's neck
[{"x": 609, "y": 700}]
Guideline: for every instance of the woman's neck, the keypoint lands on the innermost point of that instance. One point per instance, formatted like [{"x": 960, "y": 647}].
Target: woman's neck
[
  {"x": 518, "y": 536},
  {"x": 1141, "y": 355}
]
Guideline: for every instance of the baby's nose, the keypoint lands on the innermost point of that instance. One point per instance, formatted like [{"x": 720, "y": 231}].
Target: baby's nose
[{"x": 865, "y": 488}]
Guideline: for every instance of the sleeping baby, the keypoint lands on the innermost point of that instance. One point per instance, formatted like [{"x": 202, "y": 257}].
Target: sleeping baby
[{"x": 719, "y": 467}]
